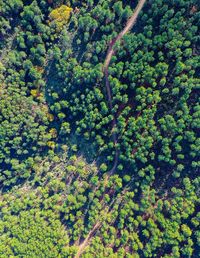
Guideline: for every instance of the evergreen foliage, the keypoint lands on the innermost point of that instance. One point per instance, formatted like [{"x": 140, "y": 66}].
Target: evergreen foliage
[{"x": 85, "y": 172}]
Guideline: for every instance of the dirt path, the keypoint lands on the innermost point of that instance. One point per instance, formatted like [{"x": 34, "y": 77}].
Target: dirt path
[
  {"x": 109, "y": 55},
  {"x": 110, "y": 52},
  {"x": 85, "y": 242},
  {"x": 92, "y": 232}
]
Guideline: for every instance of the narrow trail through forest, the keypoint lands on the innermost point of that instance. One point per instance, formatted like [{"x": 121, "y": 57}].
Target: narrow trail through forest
[
  {"x": 130, "y": 23},
  {"x": 85, "y": 242},
  {"x": 109, "y": 55}
]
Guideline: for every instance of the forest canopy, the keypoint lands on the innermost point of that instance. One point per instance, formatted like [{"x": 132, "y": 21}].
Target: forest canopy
[{"x": 99, "y": 128}]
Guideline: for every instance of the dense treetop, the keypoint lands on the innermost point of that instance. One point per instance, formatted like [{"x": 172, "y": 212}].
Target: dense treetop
[{"x": 85, "y": 172}]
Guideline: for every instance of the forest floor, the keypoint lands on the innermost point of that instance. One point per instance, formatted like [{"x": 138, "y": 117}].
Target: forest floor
[{"x": 130, "y": 23}]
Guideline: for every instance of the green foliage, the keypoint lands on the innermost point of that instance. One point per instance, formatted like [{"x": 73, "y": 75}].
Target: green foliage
[{"x": 81, "y": 174}]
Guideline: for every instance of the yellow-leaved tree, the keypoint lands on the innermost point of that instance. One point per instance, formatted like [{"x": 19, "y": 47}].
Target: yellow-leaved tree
[{"x": 60, "y": 16}]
